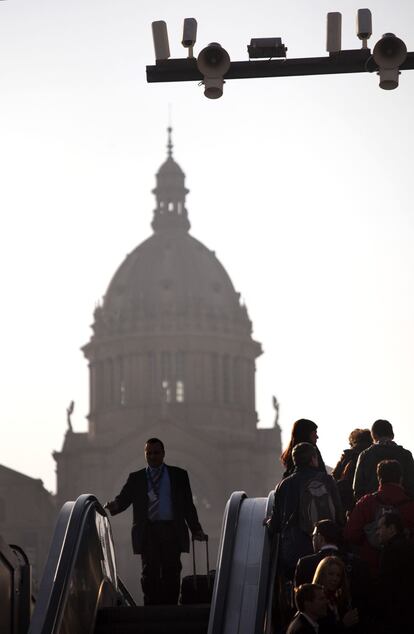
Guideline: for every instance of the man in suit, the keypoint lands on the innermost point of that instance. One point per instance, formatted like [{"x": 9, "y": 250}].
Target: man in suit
[
  {"x": 312, "y": 605},
  {"x": 163, "y": 508},
  {"x": 327, "y": 541}
]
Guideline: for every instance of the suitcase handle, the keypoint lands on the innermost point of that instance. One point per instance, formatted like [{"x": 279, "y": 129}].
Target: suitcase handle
[{"x": 194, "y": 563}]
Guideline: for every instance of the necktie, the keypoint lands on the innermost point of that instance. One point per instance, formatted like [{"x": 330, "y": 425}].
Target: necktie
[{"x": 154, "y": 501}]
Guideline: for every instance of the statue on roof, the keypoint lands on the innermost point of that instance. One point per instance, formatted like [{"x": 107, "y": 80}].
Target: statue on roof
[{"x": 69, "y": 412}]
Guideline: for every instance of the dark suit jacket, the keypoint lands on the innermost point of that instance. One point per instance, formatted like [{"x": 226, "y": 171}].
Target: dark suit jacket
[
  {"x": 357, "y": 570},
  {"x": 306, "y": 566},
  {"x": 184, "y": 512},
  {"x": 300, "y": 625}
]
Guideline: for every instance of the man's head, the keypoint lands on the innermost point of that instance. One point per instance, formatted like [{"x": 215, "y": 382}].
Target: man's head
[
  {"x": 326, "y": 532},
  {"x": 304, "y": 455},
  {"x": 389, "y": 525},
  {"x": 389, "y": 471},
  {"x": 382, "y": 429},
  {"x": 310, "y": 598},
  {"x": 154, "y": 452}
]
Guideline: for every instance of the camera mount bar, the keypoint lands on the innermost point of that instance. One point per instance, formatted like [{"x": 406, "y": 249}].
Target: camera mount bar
[{"x": 348, "y": 61}]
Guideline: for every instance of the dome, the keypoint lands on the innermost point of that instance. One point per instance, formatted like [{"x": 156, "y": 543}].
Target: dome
[
  {"x": 171, "y": 282},
  {"x": 170, "y": 168}
]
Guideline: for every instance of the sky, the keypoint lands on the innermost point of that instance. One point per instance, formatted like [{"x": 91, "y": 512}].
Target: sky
[{"x": 302, "y": 186}]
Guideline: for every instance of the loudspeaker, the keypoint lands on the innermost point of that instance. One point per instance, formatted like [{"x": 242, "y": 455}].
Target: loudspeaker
[
  {"x": 389, "y": 53},
  {"x": 213, "y": 62}
]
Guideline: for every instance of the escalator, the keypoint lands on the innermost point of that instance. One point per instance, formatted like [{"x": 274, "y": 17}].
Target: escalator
[
  {"x": 15, "y": 589},
  {"x": 242, "y": 595},
  {"x": 80, "y": 592}
]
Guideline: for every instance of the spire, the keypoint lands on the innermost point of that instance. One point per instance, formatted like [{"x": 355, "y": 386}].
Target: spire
[
  {"x": 170, "y": 213},
  {"x": 169, "y": 144}
]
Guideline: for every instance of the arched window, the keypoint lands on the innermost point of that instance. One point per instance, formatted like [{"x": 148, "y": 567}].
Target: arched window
[
  {"x": 166, "y": 391},
  {"x": 226, "y": 379},
  {"x": 179, "y": 391}
]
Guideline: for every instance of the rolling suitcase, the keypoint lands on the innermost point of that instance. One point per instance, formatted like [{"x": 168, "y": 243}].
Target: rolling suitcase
[{"x": 197, "y": 588}]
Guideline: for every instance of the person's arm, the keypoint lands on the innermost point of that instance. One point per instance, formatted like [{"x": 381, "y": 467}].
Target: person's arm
[
  {"x": 359, "y": 484},
  {"x": 339, "y": 509},
  {"x": 300, "y": 576},
  {"x": 123, "y": 500},
  {"x": 354, "y": 529},
  {"x": 190, "y": 511},
  {"x": 274, "y": 523},
  {"x": 337, "y": 472},
  {"x": 408, "y": 474}
]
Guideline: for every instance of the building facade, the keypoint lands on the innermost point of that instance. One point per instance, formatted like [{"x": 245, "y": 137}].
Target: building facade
[
  {"x": 172, "y": 356},
  {"x": 27, "y": 517}
]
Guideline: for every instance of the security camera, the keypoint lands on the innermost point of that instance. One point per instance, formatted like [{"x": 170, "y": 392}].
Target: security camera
[
  {"x": 160, "y": 37},
  {"x": 364, "y": 25},
  {"x": 189, "y": 33},
  {"x": 213, "y": 62},
  {"x": 389, "y": 53},
  {"x": 333, "y": 32}
]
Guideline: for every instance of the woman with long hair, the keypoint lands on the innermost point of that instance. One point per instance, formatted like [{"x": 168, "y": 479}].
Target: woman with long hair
[
  {"x": 303, "y": 430},
  {"x": 331, "y": 574}
]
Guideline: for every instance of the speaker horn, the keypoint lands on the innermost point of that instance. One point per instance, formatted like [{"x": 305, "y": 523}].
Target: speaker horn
[
  {"x": 213, "y": 63},
  {"x": 389, "y": 53}
]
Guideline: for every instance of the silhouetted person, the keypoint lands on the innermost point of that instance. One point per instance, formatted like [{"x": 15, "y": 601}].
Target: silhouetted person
[
  {"x": 396, "y": 576},
  {"x": 328, "y": 541},
  {"x": 383, "y": 448},
  {"x": 302, "y": 499},
  {"x": 311, "y": 603},
  {"x": 303, "y": 430},
  {"x": 163, "y": 507},
  {"x": 360, "y": 529},
  {"x": 359, "y": 440}
]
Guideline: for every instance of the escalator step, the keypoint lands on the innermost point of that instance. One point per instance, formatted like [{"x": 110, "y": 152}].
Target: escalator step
[
  {"x": 153, "y": 628},
  {"x": 160, "y": 619},
  {"x": 150, "y": 613}
]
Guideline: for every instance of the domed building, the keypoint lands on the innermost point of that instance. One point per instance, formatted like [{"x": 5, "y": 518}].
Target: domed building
[{"x": 171, "y": 355}]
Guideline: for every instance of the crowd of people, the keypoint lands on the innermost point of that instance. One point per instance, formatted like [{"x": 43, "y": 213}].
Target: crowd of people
[{"x": 345, "y": 541}]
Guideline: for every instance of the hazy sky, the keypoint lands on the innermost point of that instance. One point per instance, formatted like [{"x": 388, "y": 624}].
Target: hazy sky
[{"x": 302, "y": 186}]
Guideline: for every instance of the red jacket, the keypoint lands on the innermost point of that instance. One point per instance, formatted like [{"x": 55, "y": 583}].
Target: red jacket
[{"x": 364, "y": 513}]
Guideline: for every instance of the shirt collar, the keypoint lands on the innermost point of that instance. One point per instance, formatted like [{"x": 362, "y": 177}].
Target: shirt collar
[
  {"x": 329, "y": 546},
  {"x": 311, "y": 621},
  {"x": 154, "y": 470}
]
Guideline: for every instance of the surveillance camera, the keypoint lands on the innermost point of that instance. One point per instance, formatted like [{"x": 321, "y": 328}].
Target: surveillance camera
[
  {"x": 189, "y": 32},
  {"x": 389, "y": 53},
  {"x": 364, "y": 24},
  {"x": 213, "y": 62},
  {"x": 333, "y": 32},
  {"x": 160, "y": 37}
]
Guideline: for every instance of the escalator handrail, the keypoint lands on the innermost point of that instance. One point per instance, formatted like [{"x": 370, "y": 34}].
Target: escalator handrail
[
  {"x": 128, "y": 598},
  {"x": 224, "y": 562},
  {"x": 267, "y": 574},
  {"x": 53, "y": 587},
  {"x": 20, "y": 552}
]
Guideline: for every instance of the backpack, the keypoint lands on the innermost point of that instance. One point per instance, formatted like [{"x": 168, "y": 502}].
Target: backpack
[
  {"x": 315, "y": 503},
  {"x": 370, "y": 529}
]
